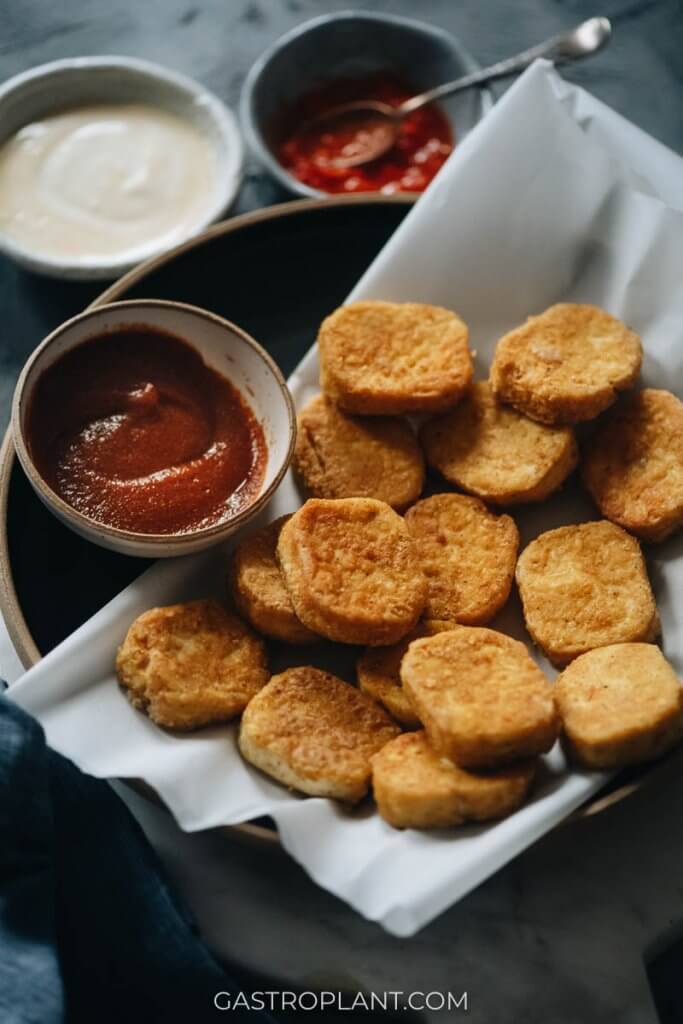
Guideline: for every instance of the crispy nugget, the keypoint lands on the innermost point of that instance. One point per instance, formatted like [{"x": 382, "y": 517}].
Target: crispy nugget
[
  {"x": 565, "y": 365},
  {"x": 342, "y": 456},
  {"x": 633, "y": 465},
  {"x": 351, "y": 570},
  {"x": 496, "y": 453},
  {"x": 468, "y": 555},
  {"x": 416, "y": 788},
  {"x": 258, "y": 590},
  {"x": 380, "y": 358},
  {"x": 481, "y": 697},
  {"x": 378, "y": 672},
  {"x": 315, "y": 733},
  {"x": 620, "y": 705},
  {"x": 190, "y": 664},
  {"x": 583, "y": 587}
]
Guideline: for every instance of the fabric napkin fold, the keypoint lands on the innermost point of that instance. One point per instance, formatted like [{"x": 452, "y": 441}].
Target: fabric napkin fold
[{"x": 90, "y": 928}]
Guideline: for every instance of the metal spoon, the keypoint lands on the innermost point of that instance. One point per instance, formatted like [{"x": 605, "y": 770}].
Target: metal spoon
[{"x": 372, "y": 126}]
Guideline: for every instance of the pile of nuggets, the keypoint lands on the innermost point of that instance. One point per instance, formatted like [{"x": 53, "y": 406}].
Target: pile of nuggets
[{"x": 448, "y": 718}]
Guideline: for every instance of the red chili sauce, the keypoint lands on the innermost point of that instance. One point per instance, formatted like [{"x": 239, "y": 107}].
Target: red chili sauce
[
  {"x": 134, "y": 430},
  {"x": 425, "y": 140}
]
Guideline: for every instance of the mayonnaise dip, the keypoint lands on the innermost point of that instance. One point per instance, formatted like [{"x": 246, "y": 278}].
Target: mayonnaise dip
[{"x": 105, "y": 182}]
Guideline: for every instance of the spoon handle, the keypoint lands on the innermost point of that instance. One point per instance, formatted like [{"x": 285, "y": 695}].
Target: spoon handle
[{"x": 560, "y": 49}]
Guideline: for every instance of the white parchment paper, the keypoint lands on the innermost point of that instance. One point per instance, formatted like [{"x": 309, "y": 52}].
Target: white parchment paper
[{"x": 552, "y": 197}]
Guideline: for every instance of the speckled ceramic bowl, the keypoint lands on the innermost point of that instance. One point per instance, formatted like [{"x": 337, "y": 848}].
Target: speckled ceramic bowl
[
  {"x": 224, "y": 348},
  {"x": 51, "y": 88},
  {"x": 350, "y": 44}
]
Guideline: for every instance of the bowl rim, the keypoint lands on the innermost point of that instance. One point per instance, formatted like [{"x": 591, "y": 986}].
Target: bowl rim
[
  {"x": 86, "y": 523},
  {"x": 253, "y": 134},
  {"x": 230, "y": 170}
]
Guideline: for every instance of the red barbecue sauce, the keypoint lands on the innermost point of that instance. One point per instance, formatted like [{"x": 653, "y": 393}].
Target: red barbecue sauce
[
  {"x": 134, "y": 430},
  {"x": 424, "y": 142}
]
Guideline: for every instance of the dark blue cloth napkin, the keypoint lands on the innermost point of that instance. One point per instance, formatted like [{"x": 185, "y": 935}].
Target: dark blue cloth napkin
[{"x": 90, "y": 929}]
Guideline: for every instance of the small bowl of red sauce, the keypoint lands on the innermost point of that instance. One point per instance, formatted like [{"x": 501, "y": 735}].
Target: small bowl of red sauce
[
  {"x": 346, "y": 57},
  {"x": 153, "y": 428}
]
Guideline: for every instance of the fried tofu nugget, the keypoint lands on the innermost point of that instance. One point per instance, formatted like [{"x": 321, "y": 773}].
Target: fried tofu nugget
[
  {"x": 315, "y": 733},
  {"x": 620, "y": 705},
  {"x": 381, "y": 358},
  {"x": 416, "y": 788},
  {"x": 633, "y": 465},
  {"x": 482, "y": 699},
  {"x": 468, "y": 555},
  {"x": 378, "y": 673},
  {"x": 258, "y": 590},
  {"x": 566, "y": 365},
  {"x": 496, "y": 453},
  {"x": 187, "y": 665},
  {"x": 352, "y": 571},
  {"x": 585, "y": 586},
  {"x": 341, "y": 456}
]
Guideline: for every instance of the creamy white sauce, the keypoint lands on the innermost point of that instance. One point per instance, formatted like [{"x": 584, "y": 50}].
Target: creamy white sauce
[{"x": 104, "y": 182}]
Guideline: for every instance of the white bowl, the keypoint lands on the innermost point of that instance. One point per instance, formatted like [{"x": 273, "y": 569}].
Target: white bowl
[
  {"x": 223, "y": 347},
  {"x": 51, "y": 88}
]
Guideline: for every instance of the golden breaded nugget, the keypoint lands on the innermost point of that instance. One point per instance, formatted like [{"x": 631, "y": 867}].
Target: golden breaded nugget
[
  {"x": 190, "y": 664},
  {"x": 633, "y": 465},
  {"x": 416, "y": 788},
  {"x": 620, "y": 705},
  {"x": 342, "y": 456},
  {"x": 258, "y": 590},
  {"x": 380, "y": 358},
  {"x": 315, "y": 733},
  {"x": 378, "y": 672},
  {"x": 492, "y": 451},
  {"x": 351, "y": 570},
  {"x": 583, "y": 587},
  {"x": 468, "y": 555},
  {"x": 481, "y": 698},
  {"x": 567, "y": 364}
]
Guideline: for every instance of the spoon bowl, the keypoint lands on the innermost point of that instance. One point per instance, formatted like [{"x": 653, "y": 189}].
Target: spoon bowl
[{"x": 362, "y": 131}]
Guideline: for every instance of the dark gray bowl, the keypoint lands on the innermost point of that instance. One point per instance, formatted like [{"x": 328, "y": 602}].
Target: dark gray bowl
[{"x": 350, "y": 44}]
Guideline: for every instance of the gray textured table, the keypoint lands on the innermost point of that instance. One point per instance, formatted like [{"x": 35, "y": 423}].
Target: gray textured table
[{"x": 557, "y": 936}]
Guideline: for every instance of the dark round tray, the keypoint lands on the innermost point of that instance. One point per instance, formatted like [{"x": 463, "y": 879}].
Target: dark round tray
[{"x": 276, "y": 272}]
